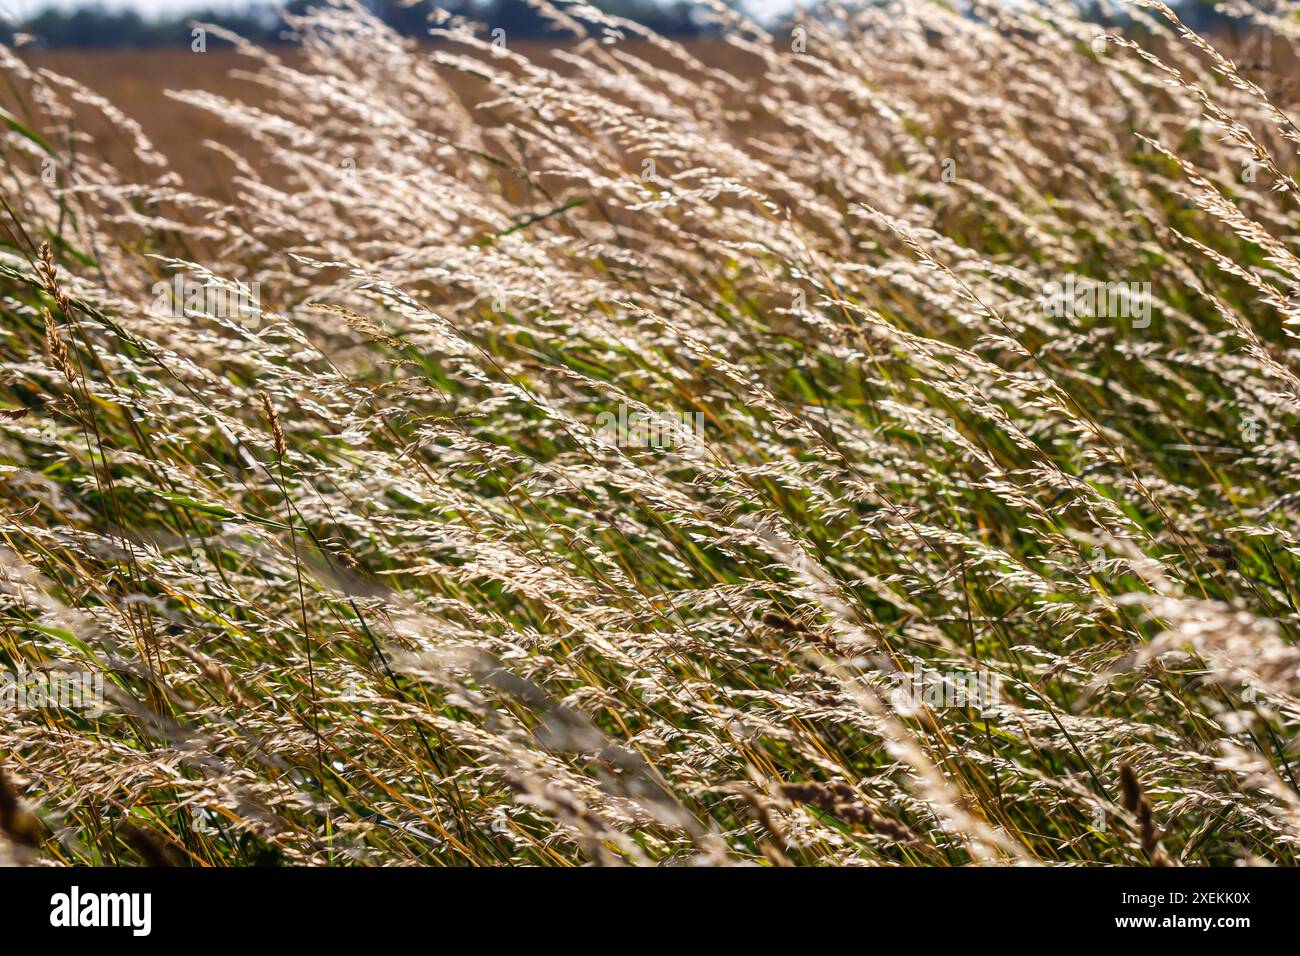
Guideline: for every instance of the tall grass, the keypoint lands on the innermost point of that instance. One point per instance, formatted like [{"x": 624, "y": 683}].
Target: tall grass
[{"x": 616, "y": 458}]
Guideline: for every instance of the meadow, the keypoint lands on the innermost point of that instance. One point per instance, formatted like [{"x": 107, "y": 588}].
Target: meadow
[{"x": 873, "y": 444}]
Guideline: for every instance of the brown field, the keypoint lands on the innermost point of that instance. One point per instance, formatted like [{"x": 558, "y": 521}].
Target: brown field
[{"x": 137, "y": 81}]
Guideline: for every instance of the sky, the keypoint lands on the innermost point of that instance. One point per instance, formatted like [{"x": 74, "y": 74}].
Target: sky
[
  {"x": 147, "y": 7},
  {"x": 22, "y": 8}
]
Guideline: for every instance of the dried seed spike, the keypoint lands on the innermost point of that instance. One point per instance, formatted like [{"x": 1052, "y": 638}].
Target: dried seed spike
[
  {"x": 16, "y": 821},
  {"x": 147, "y": 846},
  {"x": 841, "y": 800},
  {"x": 273, "y": 419},
  {"x": 1136, "y": 803},
  {"x": 48, "y": 273},
  {"x": 56, "y": 348}
]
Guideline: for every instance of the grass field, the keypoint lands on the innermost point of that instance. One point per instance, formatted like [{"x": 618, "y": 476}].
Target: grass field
[{"x": 869, "y": 446}]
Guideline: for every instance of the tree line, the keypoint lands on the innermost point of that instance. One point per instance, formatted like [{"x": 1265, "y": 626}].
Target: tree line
[{"x": 93, "y": 26}]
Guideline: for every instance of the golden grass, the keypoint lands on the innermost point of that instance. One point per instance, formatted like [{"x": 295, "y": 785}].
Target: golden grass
[{"x": 636, "y": 453}]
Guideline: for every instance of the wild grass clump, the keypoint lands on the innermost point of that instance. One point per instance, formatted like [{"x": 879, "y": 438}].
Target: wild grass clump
[{"x": 880, "y": 450}]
